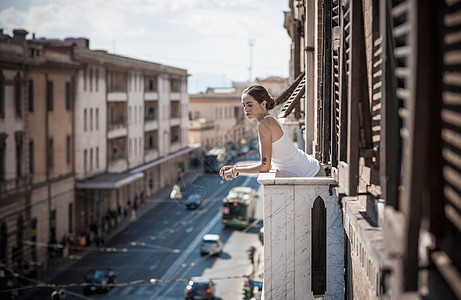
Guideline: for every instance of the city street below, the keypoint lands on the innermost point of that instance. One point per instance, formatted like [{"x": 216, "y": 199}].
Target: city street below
[{"x": 157, "y": 254}]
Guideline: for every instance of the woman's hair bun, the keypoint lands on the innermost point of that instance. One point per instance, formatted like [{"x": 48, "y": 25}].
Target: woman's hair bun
[{"x": 260, "y": 94}]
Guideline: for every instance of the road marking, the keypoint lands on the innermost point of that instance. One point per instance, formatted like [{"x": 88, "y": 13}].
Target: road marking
[{"x": 174, "y": 267}]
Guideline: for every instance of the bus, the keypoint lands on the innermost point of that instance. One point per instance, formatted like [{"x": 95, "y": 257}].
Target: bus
[
  {"x": 214, "y": 160},
  {"x": 239, "y": 207}
]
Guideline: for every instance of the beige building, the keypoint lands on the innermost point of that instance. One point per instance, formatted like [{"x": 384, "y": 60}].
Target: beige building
[
  {"x": 37, "y": 182},
  {"x": 216, "y": 117},
  {"x": 84, "y": 137},
  {"x": 130, "y": 127}
]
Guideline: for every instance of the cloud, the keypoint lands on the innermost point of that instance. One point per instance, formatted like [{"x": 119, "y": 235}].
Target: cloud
[{"x": 182, "y": 33}]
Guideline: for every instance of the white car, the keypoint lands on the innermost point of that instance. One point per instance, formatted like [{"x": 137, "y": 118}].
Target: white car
[{"x": 211, "y": 244}]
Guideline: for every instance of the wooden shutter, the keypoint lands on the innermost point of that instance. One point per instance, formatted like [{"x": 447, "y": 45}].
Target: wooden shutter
[
  {"x": 445, "y": 201},
  {"x": 293, "y": 100},
  {"x": 354, "y": 96},
  {"x": 324, "y": 115},
  {"x": 335, "y": 83}
]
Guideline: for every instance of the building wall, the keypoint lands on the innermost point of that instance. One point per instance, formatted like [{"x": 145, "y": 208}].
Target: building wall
[
  {"x": 220, "y": 110},
  {"x": 90, "y": 96},
  {"x": 135, "y": 122}
]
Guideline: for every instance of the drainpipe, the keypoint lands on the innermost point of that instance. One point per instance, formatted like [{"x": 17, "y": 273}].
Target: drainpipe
[{"x": 310, "y": 75}]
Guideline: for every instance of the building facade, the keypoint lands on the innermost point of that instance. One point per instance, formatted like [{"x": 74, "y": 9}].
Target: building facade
[
  {"x": 85, "y": 137},
  {"x": 37, "y": 157},
  {"x": 374, "y": 85},
  {"x": 216, "y": 117}
]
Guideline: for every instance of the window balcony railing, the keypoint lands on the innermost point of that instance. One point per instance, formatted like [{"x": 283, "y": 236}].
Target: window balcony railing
[
  {"x": 116, "y": 125},
  {"x": 303, "y": 238}
]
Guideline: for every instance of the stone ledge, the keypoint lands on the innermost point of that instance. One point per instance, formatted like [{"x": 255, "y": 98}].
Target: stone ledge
[{"x": 271, "y": 178}]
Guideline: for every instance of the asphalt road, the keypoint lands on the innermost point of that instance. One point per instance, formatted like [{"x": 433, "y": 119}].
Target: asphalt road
[{"x": 163, "y": 245}]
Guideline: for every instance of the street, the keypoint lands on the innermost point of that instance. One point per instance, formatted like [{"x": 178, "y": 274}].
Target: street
[{"x": 163, "y": 245}]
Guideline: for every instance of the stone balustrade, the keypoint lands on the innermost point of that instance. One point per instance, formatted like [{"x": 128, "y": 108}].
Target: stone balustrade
[{"x": 303, "y": 238}]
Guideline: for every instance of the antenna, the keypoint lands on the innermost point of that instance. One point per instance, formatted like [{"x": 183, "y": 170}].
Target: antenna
[{"x": 250, "y": 68}]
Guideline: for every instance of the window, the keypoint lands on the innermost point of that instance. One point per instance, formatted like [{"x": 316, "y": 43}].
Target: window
[
  {"x": 151, "y": 83},
  {"x": 91, "y": 119},
  {"x": 135, "y": 147},
  {"x": 97, "y": 157},
  {"x": 50, "y": 153},
  {"x": 84, "y": 79},
  {"x": 151, "y": 140},
  {"x": 91, "y": 159},
  {"x": 91, "y": 79},
  {"x": 97, "y": 79},
  {"x": 140, "y": 114},
  {"x": 135, "y": 112},
  {"x": 175, "y": 134},
  {"x": 17, "y": 94},
  {"x": 19, "y": 137},
  {"x": 68, "y": 149},
  {"x": 30, "y": 95},
  {"x": 150, "y": 113},
  {"x": 68, "y": 95},
  {"x": 85, "y": 159},
  {"x": 175, "y": 110},
  {"x": 31, "y": 156},
  {"x": 97, "y": 119},
  {"x": 117, "y": 81},
  {"x": 84, "y": 119},
  {"x": 49, "y": 95},
  {"x": 175, "y": 85},
  {"x": 2, "y": 95}
]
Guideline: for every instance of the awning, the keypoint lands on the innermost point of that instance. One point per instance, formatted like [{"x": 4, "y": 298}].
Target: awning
[
  {"x": 291, "y": 96},
  {"x": 165, "y": 158},
  {"x": 109, "y": 181}
]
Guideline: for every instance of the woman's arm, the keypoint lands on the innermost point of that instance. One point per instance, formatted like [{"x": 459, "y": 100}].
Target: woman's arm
[{"x": 264, "y": 165}]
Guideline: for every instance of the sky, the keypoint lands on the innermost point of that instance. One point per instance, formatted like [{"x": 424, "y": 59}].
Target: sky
[{"x": 209, "y": 38}]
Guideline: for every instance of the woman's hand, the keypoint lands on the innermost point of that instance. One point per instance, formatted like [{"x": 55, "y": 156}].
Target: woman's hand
[{"x": 226, "y": 172}]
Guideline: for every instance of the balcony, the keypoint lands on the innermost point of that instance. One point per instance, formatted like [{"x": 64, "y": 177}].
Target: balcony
[
  {"x": 116, "y": 130},
  {"x": 303, "y": 238}
]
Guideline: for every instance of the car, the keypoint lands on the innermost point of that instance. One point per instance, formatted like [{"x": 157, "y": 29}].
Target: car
[
  {"x": 199, "y": 288},
  {"x": 193, "y": 201},
  {"x": 98, "y": 280},
  {"x": 211, "y": 244}
]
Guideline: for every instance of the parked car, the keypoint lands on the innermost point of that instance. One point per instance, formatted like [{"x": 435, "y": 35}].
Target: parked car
[
  {"x": 99, "y": 281},
  {"x": 193, "y": 201},
  {"x": 200, "y": 288},
  {"x": 211, "y": 244}
]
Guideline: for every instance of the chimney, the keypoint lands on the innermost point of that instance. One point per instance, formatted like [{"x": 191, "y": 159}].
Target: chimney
[{"x": 19, "y": 35}]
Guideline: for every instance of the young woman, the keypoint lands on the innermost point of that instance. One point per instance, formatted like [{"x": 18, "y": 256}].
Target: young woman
[{"x": 275, "y": 146}]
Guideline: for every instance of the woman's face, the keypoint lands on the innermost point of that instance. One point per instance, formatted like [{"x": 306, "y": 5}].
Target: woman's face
[{"x": 253, "y": 109}]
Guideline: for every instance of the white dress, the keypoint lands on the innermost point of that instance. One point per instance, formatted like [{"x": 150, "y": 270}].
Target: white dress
[{"x": 289, "y": 160}]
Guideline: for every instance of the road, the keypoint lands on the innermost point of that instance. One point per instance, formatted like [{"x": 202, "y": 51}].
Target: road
[{"x": 163, "y": 245}]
